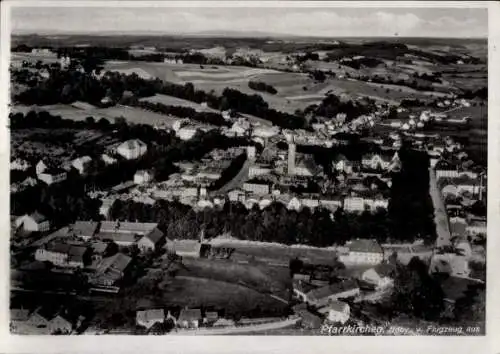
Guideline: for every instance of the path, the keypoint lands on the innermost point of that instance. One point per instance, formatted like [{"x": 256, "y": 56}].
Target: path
[
  {"x": 243, "y": 329},
  {"x": 440, "y": 216}
]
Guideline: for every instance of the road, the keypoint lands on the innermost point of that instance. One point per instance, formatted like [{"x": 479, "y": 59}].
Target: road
[
  {"x": 440, "y": 216},
  {"x": 243, "y": 329},
  {"x": 237, "y": 180}
]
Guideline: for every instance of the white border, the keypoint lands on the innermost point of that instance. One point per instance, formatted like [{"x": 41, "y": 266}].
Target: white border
[{"x": 272, "y": 344}]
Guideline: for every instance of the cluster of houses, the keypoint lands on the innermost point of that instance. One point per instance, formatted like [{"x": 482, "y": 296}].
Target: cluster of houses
[
  {"x": 323, "y": 298},
  {"x": 44, "y": 320}
]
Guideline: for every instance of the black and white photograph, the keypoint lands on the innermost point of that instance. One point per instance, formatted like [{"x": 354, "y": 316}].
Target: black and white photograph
[{"x": 226, "y": 169}]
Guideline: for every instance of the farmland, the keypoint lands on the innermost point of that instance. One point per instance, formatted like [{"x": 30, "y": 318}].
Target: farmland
[
  {"x": 174, "y": 101},
  {"x": 130, "y": 114}
]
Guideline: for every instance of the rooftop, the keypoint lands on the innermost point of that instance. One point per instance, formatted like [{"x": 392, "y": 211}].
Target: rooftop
[
  {"x": 332, "y": 289},
  {"x": 190, "y": 315}
]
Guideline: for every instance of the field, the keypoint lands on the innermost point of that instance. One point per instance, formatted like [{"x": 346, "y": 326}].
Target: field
[
  {"x": 131, "y": 114},
  {"x": 234, "y": 299},
  {"x": 280, "y": 254},
  {"x": 174, "y": 101},
  {"x": 260, "y": 277}
]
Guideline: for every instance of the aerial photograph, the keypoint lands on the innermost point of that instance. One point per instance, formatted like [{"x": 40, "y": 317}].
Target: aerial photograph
[{"x": 258, "y": 170}]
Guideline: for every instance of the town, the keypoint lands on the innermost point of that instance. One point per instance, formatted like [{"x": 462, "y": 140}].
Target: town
[{"x": 246, "y": 186}]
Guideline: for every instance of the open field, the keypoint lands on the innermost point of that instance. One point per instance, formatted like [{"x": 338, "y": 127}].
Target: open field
[
  {"x": 174, "y": 101},
  {"x": 131, "y": 114},
  {"x": 260, "y": 277},
  {"x": 279, "y": 254},
  {"x": 234, "y": 299}
]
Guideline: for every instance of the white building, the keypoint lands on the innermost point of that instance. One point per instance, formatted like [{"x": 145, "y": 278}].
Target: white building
[
  {"x": 143, "y": 176},
  {"x": 336, "y": 312},
  {"x": 81, "y": 164},
  {"x": 33, "y": 222},
  {"x": 132, "y": 149},
  {"x": 363, "y": 252},
  {"x": 148, "y": 318},
  {"x": 52, "y": 177}
]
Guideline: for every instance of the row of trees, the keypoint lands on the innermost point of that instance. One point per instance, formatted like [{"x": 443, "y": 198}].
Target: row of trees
[
  {"x": 332, "y": 105},
  {"x": 262, "y": 86},
  {"x": 180, "y": 111}
]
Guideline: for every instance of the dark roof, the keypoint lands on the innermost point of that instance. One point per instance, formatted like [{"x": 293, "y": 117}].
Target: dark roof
[
  {"x": 38, "y": 217},
  {"x": 85, "y": 228},
  {"x": 190, "y": 315},
  {"x": 332, "y": 289},
  {"x": 367, "y": 246},
  {"x": 155, "y": 235},
  {"x": 118, "y": 262}
]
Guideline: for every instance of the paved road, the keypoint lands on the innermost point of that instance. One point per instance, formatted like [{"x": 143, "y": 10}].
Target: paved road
[
  {"x": 440, "y": 216},
  {"x": 238, "y": 180}
]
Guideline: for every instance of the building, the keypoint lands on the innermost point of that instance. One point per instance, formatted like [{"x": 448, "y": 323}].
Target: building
[
  {"x": 342, "y": 164},
  {"x": 476, "y": 228},
  {"x": 381, "y": 162},
  {"x": 132, "y": 149},
  {"x": 259, "y": 170},
  {"x": 378, "y": 277},
  {"x": 62, "y": 255},
  {"x": 83, "y": 229},
  {"x": 323, "y": 296},
  {"x": 81, "y": 164},
  {"x": 105, "y": 207},
  {"x": 148, "y": 318},
  {"x": 451, "y": 264},
  {"x": 53, "y": 176},
  {"x": 336, "y": 312},
  {"x": 189, "y": 318},
  {"x": 125, "y": 233},
  {"x": 34, "y": 222},
  {"x": 108, "y": 160},
  {"x": 151, "y": 241},
  {"x": 363, "y": 252},
  {"x": 143, "y": 176},
  {"x": 257, "y": 187},
  {"x": 19, "y": 164},
  {"x": 110, "y": 270}
]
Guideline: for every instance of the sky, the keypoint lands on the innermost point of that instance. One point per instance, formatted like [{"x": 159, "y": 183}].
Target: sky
[{"x": 319, "y": 21}]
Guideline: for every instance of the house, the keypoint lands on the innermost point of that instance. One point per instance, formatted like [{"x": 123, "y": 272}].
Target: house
[
  {"x": 60, "y": 325},
  {"x": 110, "y": 270},
  {"x": 151, "y": 241},
  {"x": 52, "y": 176},
  {"x": 476, "y": 228},
  {"x": 18, "y": 317},
  {"x": 450, "y": 263},
  {"x": 323, "y": 296},
  {"x": 257, "y": 187},
  {"x": 34, "y": 222},
  {"x": 108, "y": 160},
  {"x": 81, "y": 164},
  {"x": 378, "y": 277},
  {"x": 189, "y": 318},
  {"x": 211, "y": 317},
  {"x": 148, "y": 318},
  {"x": 62, "y": 255},
  {"x": 125, "y": 233},
  {"x": 83, "y": 229},
  {"x": 98, "y": 250},
  {"x": 41, "y": 167},
  {"x": 308, "y": 319},
  {"x": 341, "y": 164},
  {"x": 375, "y": 161},
  {"x": 336, "y": 312},
  {"x": 143, "y": 176},
  {"x": 363, "y": 252},
  {"x": 132, "y": 149},
  {"x": 105, "y": 207},
  {"x": 19, "y": 164}
]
